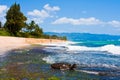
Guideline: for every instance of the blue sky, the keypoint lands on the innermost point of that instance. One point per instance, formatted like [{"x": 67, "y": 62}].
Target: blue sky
[{"x": 83, "y": 16}]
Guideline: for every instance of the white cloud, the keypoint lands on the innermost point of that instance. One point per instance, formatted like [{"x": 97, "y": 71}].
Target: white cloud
[
  {"x": 49, "y": 8},
  {"x": 38, "y": 20},
  {"x": 37, "y": 13},
  {"x": 114, "y": 23},
  {"x": 3, "y": 9},
  {"x": 81, "y": 21},
  {"x": 86, "y": 21},
  {"x": 40, "y": 15}
]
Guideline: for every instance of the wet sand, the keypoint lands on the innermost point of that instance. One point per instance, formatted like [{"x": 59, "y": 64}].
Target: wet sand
[{"x": 9, "y": 43}]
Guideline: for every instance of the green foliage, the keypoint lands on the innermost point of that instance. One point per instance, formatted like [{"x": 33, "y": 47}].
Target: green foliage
[
  {"x": 53, "y": 78},
  {"x": 58, "y": 37},
  {"x": 15, "y": 25},
  {"x": 46, "y": 36},
  {"x": 54, "y": 36},
  {"x": 33, "y": 30},
  {"x": 3, "y": 32},
  {"x": 15, "y": 20},
  {"x": 64, "y": 38},
  {"x": 30, "y": 27},
  {"x": 24, "y": 34},
  {"x": 0, "y": 24}
]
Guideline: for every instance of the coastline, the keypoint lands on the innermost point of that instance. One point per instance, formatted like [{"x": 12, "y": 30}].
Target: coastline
[{"x": 8, "y": 43}]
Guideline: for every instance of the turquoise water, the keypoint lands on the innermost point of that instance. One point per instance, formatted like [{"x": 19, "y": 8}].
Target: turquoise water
[{"x": 97, "y": 43}]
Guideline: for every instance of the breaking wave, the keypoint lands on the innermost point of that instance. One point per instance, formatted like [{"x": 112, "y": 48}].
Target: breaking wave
[
  {"x": 108, "y": 48},
  {"x": 68, "y": 46},
  {"x": 104, "y": 56}
]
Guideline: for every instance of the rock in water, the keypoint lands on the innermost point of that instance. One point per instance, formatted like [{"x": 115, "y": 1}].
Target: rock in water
[{"x": 63, "y": 66}]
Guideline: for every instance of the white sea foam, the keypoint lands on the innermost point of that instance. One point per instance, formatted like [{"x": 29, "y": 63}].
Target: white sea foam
[
  {"x": 89, "y": 72},
  {"x": 49, "y": 59},
  {"x": 72, "y": 59},
  {"x": 88, "y": 59},
  {"x": 60, "y": 44},
  {"x": 109, "y": 48}
]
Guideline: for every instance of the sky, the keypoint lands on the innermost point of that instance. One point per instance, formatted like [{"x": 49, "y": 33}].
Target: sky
[{"x": 79, "y": 16}]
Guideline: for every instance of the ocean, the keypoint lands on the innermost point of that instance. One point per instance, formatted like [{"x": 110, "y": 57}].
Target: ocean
[
  {"x": 93, "y": 53},
  {"x": 97, "y": 58}
]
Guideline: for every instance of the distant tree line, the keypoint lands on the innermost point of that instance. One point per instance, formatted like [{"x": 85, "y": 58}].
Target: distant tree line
[{"x": 16, "y": 25}]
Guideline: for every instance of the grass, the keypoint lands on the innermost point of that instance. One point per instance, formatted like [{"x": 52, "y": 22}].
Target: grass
[{"x": 4, "y": 33}]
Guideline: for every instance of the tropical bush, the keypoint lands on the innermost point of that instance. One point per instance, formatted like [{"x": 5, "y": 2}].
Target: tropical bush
[{"x": 16, "y": 25}]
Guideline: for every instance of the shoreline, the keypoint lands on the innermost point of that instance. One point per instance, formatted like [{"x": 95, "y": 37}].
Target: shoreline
[{"x": 8, "y": 43}]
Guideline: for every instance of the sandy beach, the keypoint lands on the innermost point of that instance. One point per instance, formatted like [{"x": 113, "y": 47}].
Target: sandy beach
[{"x": 9, "y": 43}]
